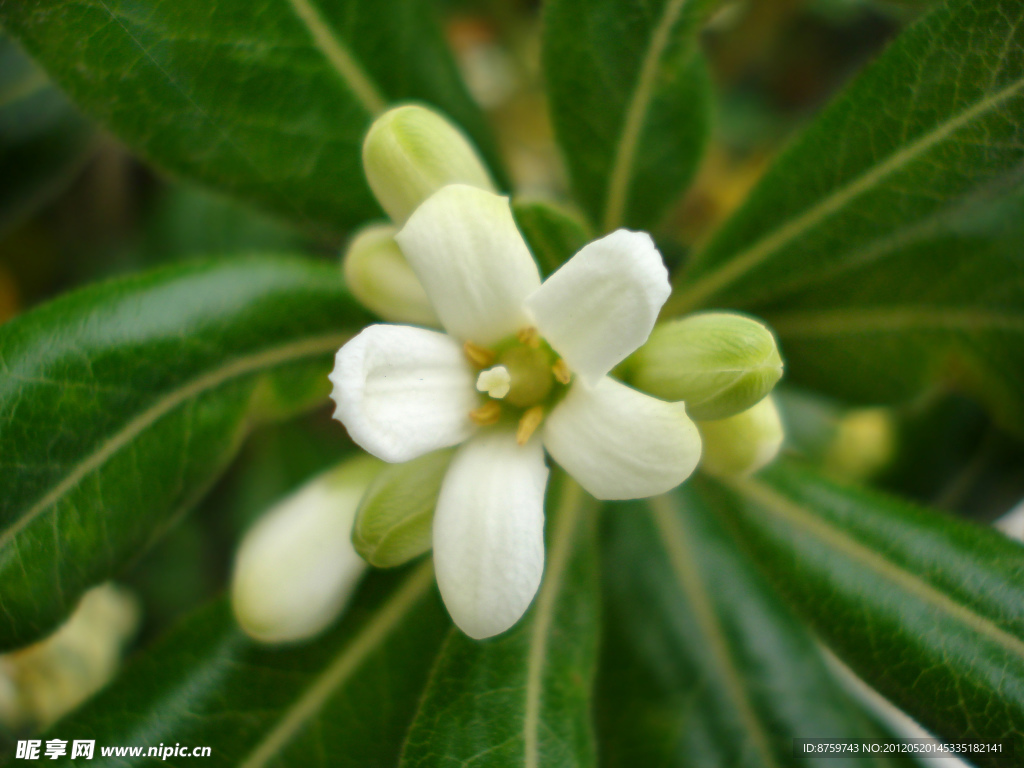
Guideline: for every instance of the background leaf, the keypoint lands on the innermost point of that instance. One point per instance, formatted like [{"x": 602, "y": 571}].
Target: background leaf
[
  {"x": 553, "y": 233},
  {"x": 702, "y": 665},
  {"x": 523, "y": 698},
  {"x": 120, "y": 404},
  {"x": 925, "y": 608},
  {"x": 872, "y": 245},
  {"x": 43, "y": 139},
  {"x": 344, "y": 699},
  {"x": 268, "y": 101},
  {"x": 629, "y": 93}
]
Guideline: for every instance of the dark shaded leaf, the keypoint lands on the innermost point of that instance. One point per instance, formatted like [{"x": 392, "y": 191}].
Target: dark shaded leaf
[
  {"x": 268, "y": 101},
  {"x": 553, "y": 233},
  {"x": 43, "y": 139}
]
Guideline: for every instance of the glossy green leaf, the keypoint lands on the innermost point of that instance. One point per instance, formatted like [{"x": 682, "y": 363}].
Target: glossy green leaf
[
  {"x": 947, "y": 305},
  {"x": 630, "y": 101},
  {"x": 522, "y": 699},
  {"x": 267, "y": 100},
  {"x": 553, "y": 233},
  {"x": 877, "y": 245},
  {"x": 344, "y": 699},
  {"x": 43, "y": 139},
  {"x": 121, "y": 403},
  {"x": 702, "y": 664},
  {"x": 927, "y": 609}
]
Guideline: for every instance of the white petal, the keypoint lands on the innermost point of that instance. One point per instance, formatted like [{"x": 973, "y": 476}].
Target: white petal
[
  {"x": 489, "y": 532},
  {"x": 622, "y": 444},
  {"x": 602, "y": 303},
  {"x": 472, "y": 261},
  {"x": 296, "y": 568},
  {"x": 402, "y": 391}
]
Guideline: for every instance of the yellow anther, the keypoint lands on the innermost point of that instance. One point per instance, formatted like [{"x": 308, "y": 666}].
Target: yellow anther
[
  {"x": 528, "y": 424},
  {"x": 561, "y": 371},
  {"x": 486, "y": 414},
  {"x": 529, "y": 337},
  {"x": 481, "y": 357}
]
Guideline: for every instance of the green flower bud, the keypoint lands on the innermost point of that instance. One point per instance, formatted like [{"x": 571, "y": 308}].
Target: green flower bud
[
  {"x": 741, "y": 444},
  {"x": 379, "y": 276},
  {"x": 718, "y": 363},
  {"x": 296, "y": 568},
  {"x": 395, "y": 517},
  {"x": 411, "y": 152}
]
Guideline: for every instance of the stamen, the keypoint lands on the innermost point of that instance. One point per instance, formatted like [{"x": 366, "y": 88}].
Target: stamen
[
  {"x": 528, "y": 424},
  {"x": 481, "y": 357},
  {"x": 529, "y": 337},
  {"x": 561, "y": 371},
  {"x": 486, "y": 414},
  {"x": 495, "y": 381}
]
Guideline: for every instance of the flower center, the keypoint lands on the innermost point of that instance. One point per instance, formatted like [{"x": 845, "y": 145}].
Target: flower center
[{"x": 524, "y": 374}]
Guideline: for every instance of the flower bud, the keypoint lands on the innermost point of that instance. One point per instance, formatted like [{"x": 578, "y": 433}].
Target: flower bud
[
  {"x": 381, "y": 279},
  {"x": 43, "y": 682},
  {"x": 296, "y": 567},
  {"x": 863, "y": 444},
  {"x": 741, "y": 444},
  {"x": 718, "y": 363},
  {"x": 395, "y": 517},
  {"x": 411, "y": 152}
]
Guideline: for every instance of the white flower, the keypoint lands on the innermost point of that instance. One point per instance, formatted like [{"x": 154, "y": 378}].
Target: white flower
[{"x": 523, "y": 367}]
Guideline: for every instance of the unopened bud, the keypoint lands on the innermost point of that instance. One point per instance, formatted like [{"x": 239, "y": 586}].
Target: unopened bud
[
  {"x": 381, "y": 279},
  {"x": 43, "y": 682},
  {"x": 863, "y": 444},
  {"x": 296, "y": 567},
  {"x": 396, "y": 515},
  {"x": 718, "y": 363},
  {"x": 411, "y": 152},
  {"x": 743, "y": 443}
]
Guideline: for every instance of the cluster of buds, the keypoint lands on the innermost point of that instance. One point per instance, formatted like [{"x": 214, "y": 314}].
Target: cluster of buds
[{"x": 576, "y": 367}]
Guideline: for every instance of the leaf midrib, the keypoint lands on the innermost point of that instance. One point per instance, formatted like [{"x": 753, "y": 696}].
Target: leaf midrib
[
  {"x": 806, "y": 520},
  {"x": 570, "y": 506},
  {"x": 342, "y": 667},
  {"x": 339, "y": 57},
  {"x": 238, "y": 367},
  {"x": 762, "y": 249},
  {"x": 636, "y": 115},
  {"x": 681, "y": 558},
  {"x": 893, "y": 319}
]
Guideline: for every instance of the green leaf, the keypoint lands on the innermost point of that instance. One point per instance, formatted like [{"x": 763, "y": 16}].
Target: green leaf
[
  {"x": 553, "y": 233},
  {"x": 702, "y": 664},
  {"x": 343, "y": 700},
  {"x": 269, "y": 102},
  {"x": 522, "y": 699},
  {"x": 927, "y": 609},
  {"x": 43, "y": 140},
  {"x": 121, "y": 403},
  {"x": 630, "y": 101},
  {"x": 877, "y": 245},
  {"x": 947, "y": 305}
]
